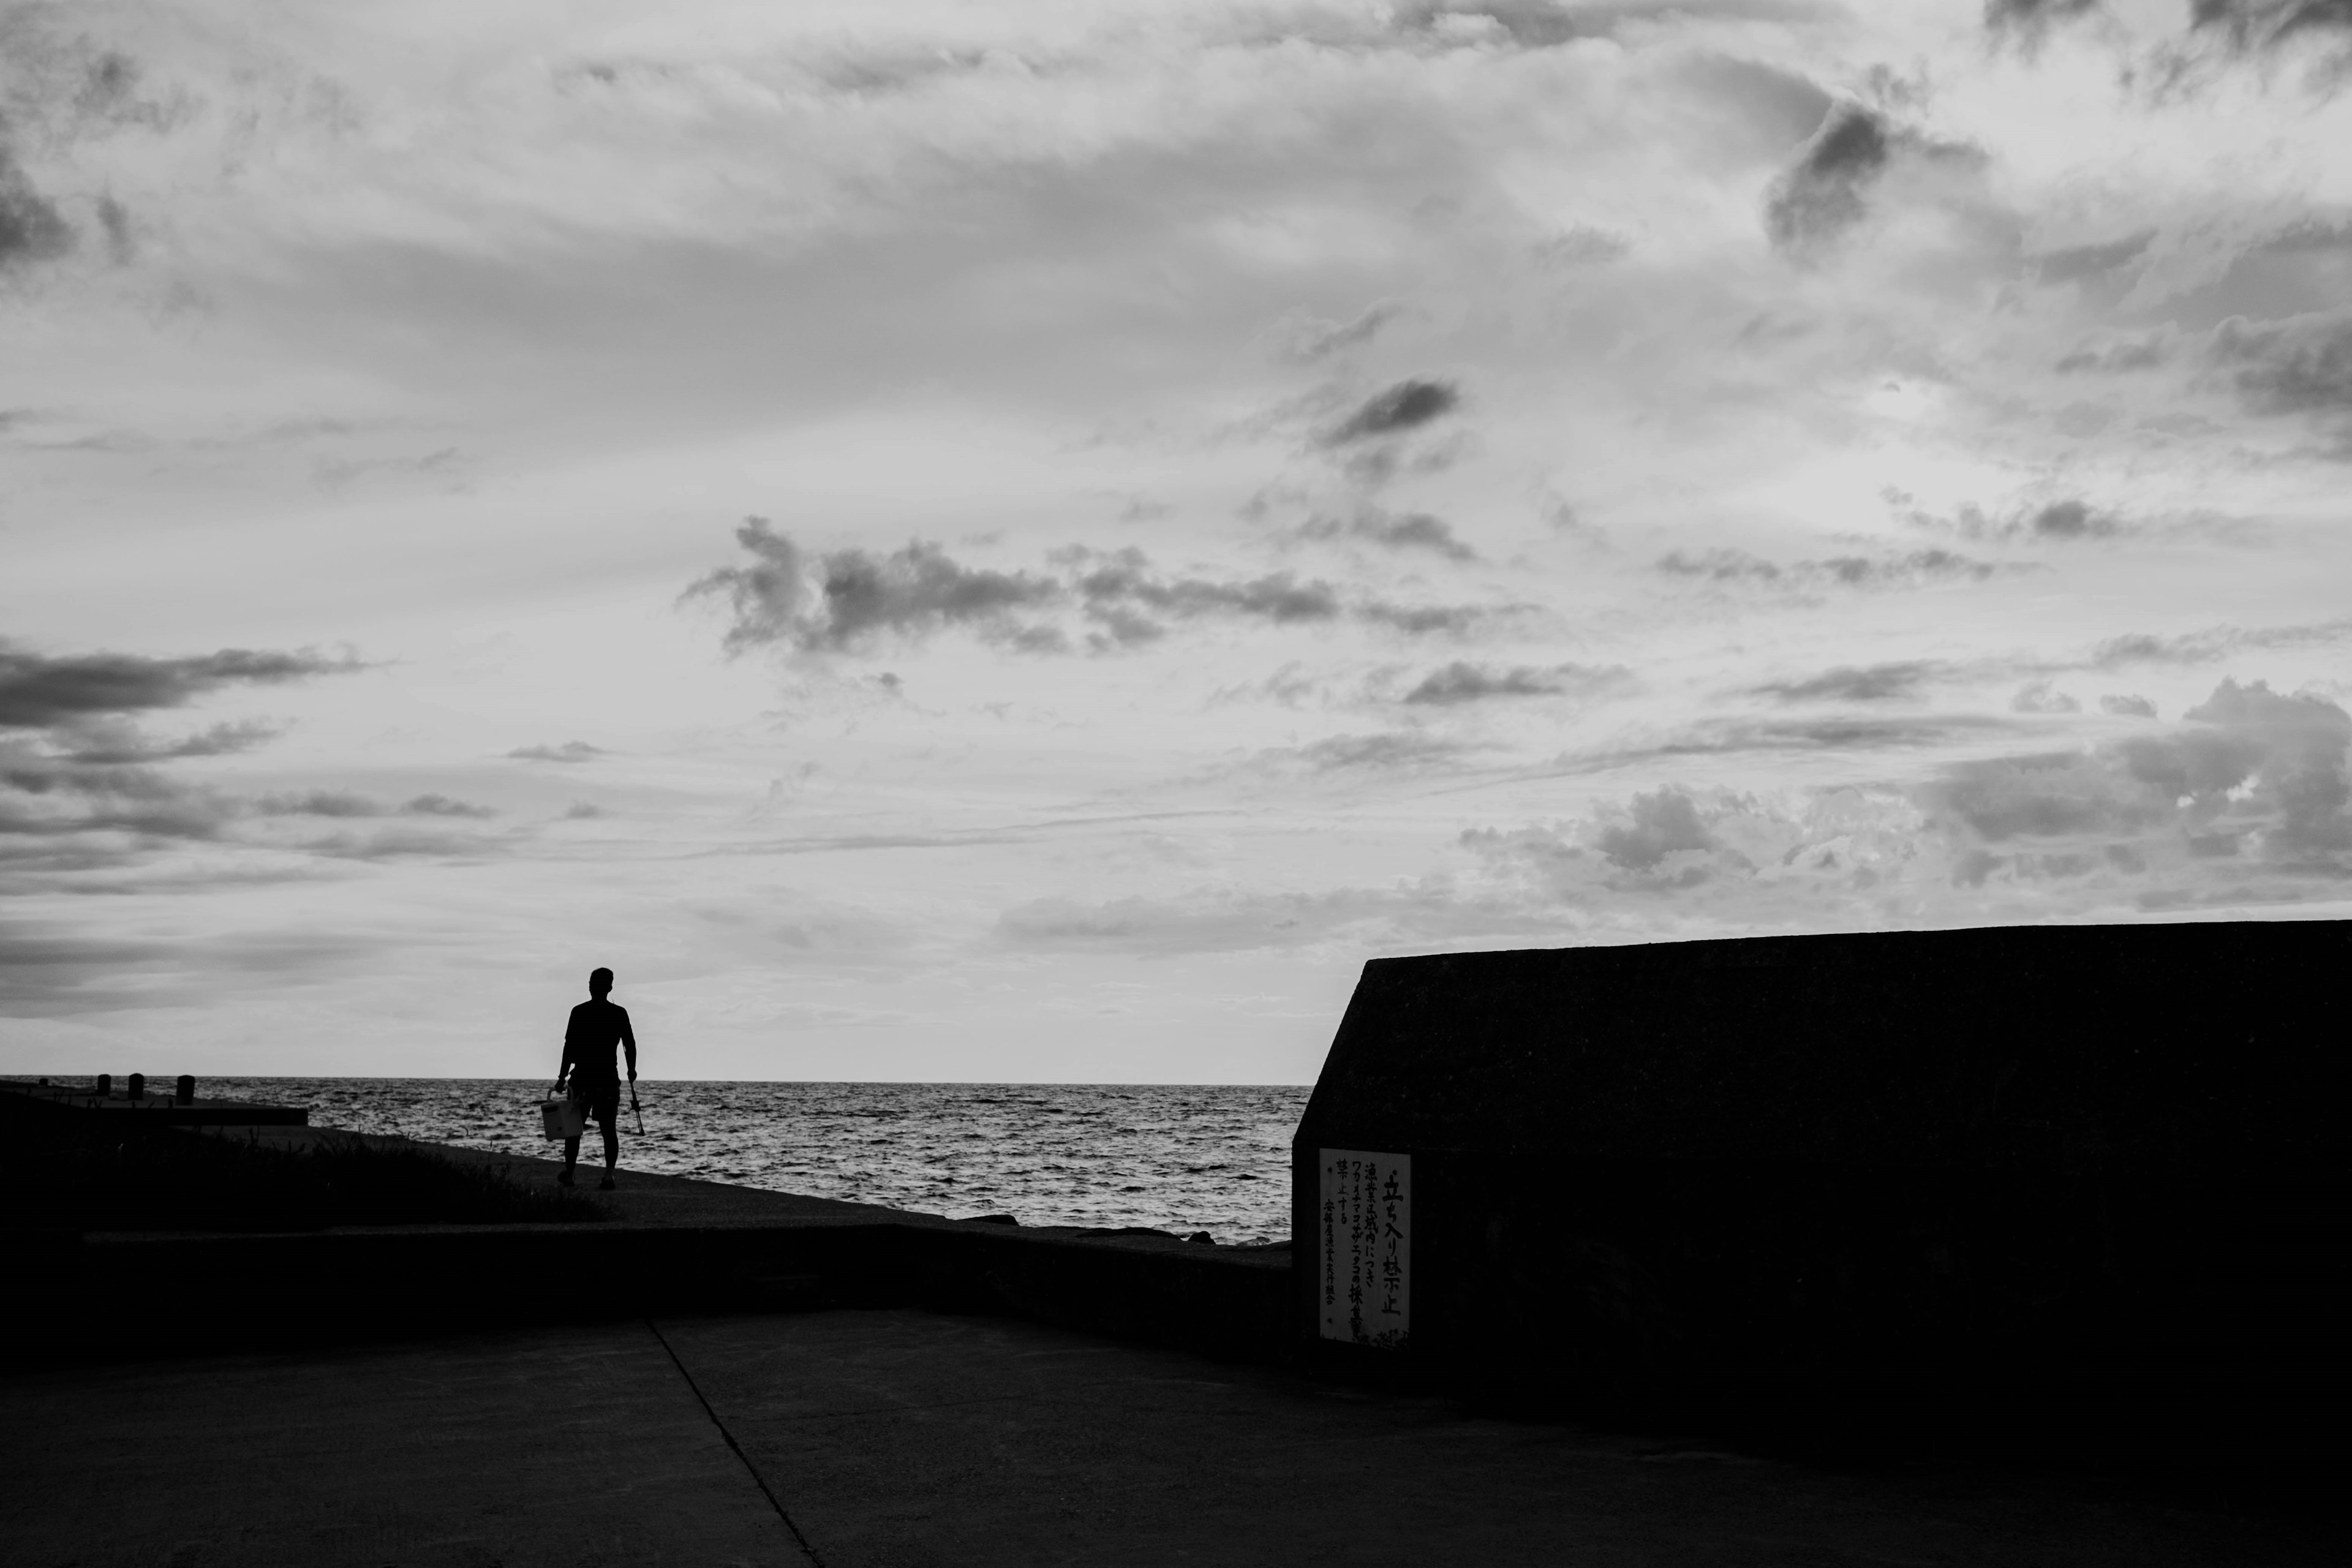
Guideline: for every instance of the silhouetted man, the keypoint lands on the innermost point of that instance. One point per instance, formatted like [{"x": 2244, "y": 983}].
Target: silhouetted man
[{"x": 596, "y": 1027}]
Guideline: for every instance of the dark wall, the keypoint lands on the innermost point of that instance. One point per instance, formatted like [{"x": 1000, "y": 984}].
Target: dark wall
[{"x": 2077, "y": 1151}]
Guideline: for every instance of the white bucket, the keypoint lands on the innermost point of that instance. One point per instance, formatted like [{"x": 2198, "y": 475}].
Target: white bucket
[{"x": 564, "y": 1117}]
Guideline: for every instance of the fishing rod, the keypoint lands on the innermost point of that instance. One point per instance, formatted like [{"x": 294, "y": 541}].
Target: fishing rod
[{"x": 635, "y": 1107}]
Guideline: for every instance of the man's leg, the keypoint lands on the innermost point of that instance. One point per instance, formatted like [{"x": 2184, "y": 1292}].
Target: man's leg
[
  {"x": 571, "y": 1158},
  {"x": 607, "y": 1108}
]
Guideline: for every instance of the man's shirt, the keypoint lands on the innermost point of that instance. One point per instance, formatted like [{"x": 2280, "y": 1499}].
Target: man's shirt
[{"x": 596, "y": 1027}]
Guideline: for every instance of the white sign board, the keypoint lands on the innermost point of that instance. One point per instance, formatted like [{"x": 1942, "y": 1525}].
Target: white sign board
[{"x": 1366, "y": 1243}]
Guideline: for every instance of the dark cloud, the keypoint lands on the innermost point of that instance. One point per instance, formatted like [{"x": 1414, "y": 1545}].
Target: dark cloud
[
  {"x": 37, "y": 691},
  {"x": 319, "y": 803},
  {"x": 843, "y": 598},
  {"x": 836, "y": 601},
  {"x": 2042, "y": 696},
  {"x": 1407, "y": 405},
  {"x": 1123, "y": 596},
  {"x": 2213, "y": 643},
  {"x": 1892, "y": 571},
  {"x": 2128, "y": 707},
  {"x": 1719, "y": 566},
  {"x": 344, "y": 803},
  {"x": 2034, "y": 17},
  {"x": 443, "y": 805},
  {"x": 43, "y": 797},
  {"x": 569, "y": 752},
  {"x": 2267, "y": 24},
  {"x": 2297, "y": 365},
  {"x": 2248, "y": 768},
  {"x": 401, "y": 843},
  {"x": 1663, "y": 824},
  {"x": 1416, "y": 620},
  {"x": 1405, "y": 530},
  {"x": 2065, "y": 521},
  {"x": 1907, "y": 570},
  {"x": 2068, "y": 519},
  {"x": 115, "y": 741},
  {"x": 1826, "y": 191},
  {"x": 1461, "y": 682},
  {"x": 1866, "y": 683},
  {"x": 1821, "y": 196},
  {"x": 32, "y": 229}
]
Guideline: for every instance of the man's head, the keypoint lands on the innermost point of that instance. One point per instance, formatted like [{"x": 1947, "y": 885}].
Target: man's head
[{"x": 600, "y": 982}]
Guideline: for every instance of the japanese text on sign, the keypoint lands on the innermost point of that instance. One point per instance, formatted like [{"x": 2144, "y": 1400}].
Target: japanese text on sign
[{"x": 1364, "y": 1284}]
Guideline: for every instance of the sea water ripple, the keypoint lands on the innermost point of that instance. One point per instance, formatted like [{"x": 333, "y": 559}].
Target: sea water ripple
[{"x": 1176, "y": 1157}]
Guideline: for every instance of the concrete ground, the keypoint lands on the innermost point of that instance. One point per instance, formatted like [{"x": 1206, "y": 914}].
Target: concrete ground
[{"x": 873, "y": 1438}]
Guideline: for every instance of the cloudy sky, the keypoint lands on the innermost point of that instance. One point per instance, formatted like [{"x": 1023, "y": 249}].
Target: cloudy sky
[{"x": 1026, "y": 540}]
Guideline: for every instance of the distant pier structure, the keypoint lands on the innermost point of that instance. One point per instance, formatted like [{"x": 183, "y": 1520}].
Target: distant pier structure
[{"x": 2076, "y": 1157}]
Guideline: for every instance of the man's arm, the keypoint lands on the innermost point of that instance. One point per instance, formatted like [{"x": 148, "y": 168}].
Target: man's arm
[
  {"x": 629, "y": 1044},
  {"x": 564, "y": 1068}
]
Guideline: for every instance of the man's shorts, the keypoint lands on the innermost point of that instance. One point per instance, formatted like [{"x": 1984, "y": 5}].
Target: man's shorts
[{"x": 600, "y": 1100}]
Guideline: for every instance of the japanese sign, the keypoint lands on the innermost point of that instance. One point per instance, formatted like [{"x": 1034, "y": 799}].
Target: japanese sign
[{"x": 1365, "y": 1241}]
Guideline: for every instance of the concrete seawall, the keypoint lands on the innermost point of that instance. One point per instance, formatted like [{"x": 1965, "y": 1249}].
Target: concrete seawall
[{"x": 672, "y": 1245}]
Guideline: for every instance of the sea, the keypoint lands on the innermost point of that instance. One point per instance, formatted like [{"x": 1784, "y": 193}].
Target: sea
[{"x": 1176, "y": 1157}]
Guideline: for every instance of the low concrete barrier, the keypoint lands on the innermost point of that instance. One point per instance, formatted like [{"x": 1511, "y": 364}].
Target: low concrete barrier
[{"x": 97, "y": 1293}]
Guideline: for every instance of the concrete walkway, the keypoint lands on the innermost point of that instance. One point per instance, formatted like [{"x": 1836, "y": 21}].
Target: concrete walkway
[{"x": 901, "y": 1437}]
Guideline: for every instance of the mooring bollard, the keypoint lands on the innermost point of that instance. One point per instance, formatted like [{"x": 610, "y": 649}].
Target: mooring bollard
[
  {"x": 137, "y": 1088},
  {"x": 187, "y": 1089},
  {"x": 104, "y": 1086}
]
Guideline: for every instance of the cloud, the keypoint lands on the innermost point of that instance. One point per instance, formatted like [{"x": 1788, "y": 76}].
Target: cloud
[
  {"x": 1461, "y": 682},
  {"x": 2297, "y": 365},
  {"x": 1820, "y": 195},
  {"x": 32, "y": 229},
  {"x": 1720, "y": 565},
  {"x": 2249, "y": 769},
  {"x": 2247, "y": 800},
  {"x": 1866, "y": 683},
  {"x": 319, "y": 803},
  {"x": 1662, "y": 824},
  {"x": 1407, "y": 405},
  {"x": 2112, "y": 353},
  {"x": 2128, "y": 707},
  {"x": 344, "y": 803},
  {"x": 843, "y": 598},
  {"x": 840, "y": 601},
  {"x": 443, "y": 805},
  {"x": 569, "y": 752},
  {"x": 1825, "y": 193},
  {"x": 37, "y": 691},
  {"x": 2213, "y": 643},
  {"x": 114, "y": 740},
  {"x": 2038, "y": 697},
  {"x": 1909, "y": 570},
  {"x": 2268, "y": 24},
  {"x": 1582, "y": 244},
  {"x": 2065, "y": 520},
  {"x": 2073, "y": 264},
  {"x": 1407, "y": 530},
  {"x": 1303, "y": 339},
  {"x": 2034, "y": 17}
]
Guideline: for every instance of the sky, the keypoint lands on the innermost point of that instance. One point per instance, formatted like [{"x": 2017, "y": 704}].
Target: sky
[{"x": 1026, "y": 541}]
